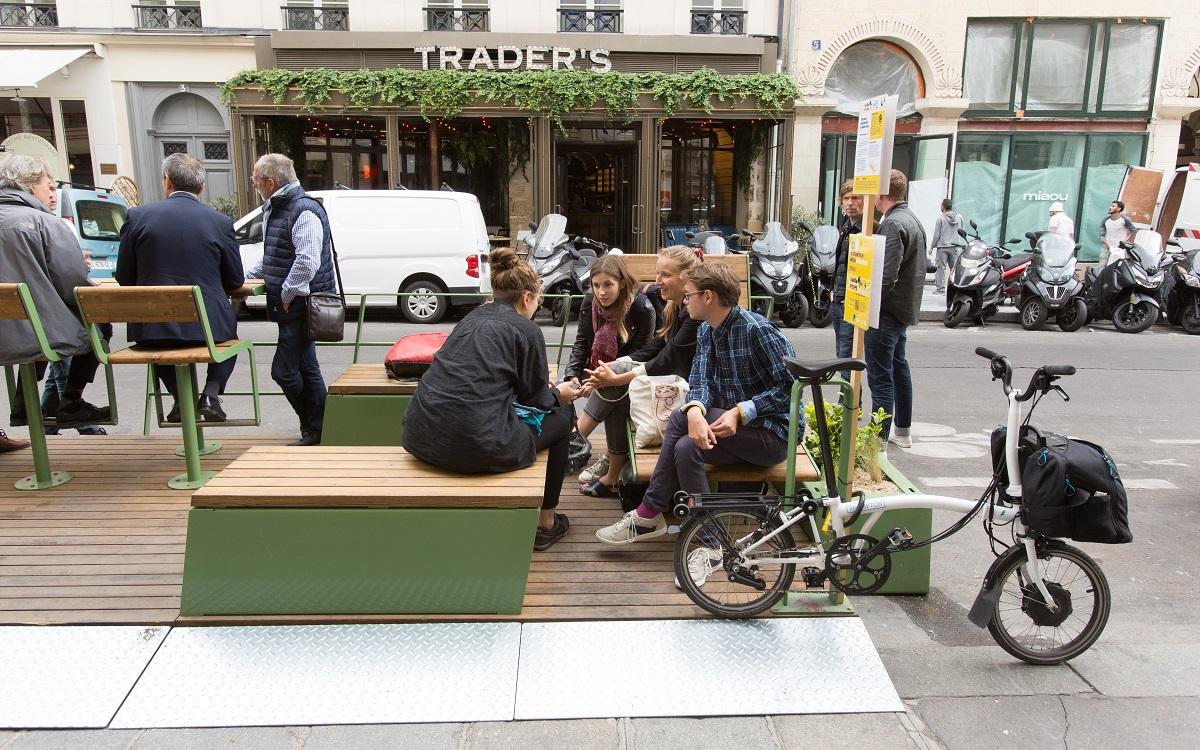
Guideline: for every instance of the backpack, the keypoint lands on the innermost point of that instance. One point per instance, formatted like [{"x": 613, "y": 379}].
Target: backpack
[{"x": 1071, "y": 488}]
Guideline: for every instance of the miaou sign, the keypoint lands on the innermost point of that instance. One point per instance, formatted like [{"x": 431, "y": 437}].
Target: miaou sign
[{"x": 507, "y": 57}]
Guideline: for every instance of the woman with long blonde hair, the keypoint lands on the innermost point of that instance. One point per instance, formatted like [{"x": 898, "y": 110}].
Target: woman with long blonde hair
[{"x": 670, "y": 352}]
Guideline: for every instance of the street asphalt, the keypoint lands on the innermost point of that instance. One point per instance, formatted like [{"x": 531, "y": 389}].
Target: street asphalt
[{"x": 1138, "y": 686}]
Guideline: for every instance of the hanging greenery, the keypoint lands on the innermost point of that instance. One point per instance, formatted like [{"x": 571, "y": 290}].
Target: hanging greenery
[
  {"x": 445, "y": 93},
  {"x": 749, "y": 142}
]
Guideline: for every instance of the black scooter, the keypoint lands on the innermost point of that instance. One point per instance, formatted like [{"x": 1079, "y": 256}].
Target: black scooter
[
  {"x": 979, "y": 279},
  {"x": 1049, "y": 285},
  {"x": 1182, "y": 290},
  {"x": 1127, "y": 290},
  {"x": 820, "y": 272}
]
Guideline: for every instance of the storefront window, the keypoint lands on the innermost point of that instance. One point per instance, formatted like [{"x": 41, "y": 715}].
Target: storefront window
[
  {"x": 1108, "y": 155},
  {"x": 79, "y": 149},
  {"x": 874, "y": 68},
  {"x": 1045, "y": 170},
  {"x": 1058, "y": 66},
  {"x": 991, "y": 47},
  {"x": 697, "y": 183},
  {"x": 979, "y": 177},
  {"x": 31, "y": 114},
  {"x": 1130, "y": 71}
]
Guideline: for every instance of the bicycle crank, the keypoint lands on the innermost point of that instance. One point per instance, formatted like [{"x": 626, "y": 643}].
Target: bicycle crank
[{"x": 858, "y": 564}]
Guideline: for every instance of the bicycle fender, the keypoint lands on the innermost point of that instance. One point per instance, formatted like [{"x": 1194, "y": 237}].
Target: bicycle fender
[{"x": 985, "y": 601}]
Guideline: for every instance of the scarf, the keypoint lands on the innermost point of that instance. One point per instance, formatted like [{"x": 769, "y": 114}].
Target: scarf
[{"x": 604, "y": 340}]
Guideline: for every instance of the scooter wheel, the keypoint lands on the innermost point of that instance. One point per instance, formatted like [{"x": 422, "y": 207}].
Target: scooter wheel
[
  {"x": 1190, "y": 319},
  {"x": 820, "y": 316},
  {"x": 1073, "y": 316},
  {"x": 794, "y": 313},
  {"x": 1134, "y": 317},
  {"x": 1033, "y": 313},
  {"x": 957, "y": 311}
]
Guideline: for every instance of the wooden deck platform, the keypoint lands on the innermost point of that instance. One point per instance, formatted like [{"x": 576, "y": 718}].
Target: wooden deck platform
[{"x": 108, "y": 546}]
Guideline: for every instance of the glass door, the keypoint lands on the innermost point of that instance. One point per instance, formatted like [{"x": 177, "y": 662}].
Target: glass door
[{"x": 595, "y": 181}]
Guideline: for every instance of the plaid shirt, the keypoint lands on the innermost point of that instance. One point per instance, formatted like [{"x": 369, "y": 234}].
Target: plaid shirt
[{"x": 740, "y": 364}]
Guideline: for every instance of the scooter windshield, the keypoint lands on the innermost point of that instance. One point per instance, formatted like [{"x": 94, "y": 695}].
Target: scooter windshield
[
  {"x": 774, "y": 244},
  {"x": 550, "y": 230},
  {"x": 825, "y": 240},
  {"x": 1056, "y": 250},
  {"x": 1147, "y": 249}
]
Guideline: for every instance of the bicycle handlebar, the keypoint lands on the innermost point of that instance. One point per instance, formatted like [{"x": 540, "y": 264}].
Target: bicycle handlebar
[
  {"x": 986, "y": 353},
  {"x": 1059, "y": 370},
  {"x": 1041, "y": 379}
]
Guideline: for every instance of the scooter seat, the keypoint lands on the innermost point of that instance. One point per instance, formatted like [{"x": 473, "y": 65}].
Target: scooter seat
[
  {"x": 820, "y": 369},
  {"x": 1016, "y": 260}
]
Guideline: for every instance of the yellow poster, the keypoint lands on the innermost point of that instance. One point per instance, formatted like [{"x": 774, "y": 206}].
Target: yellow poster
[
  {"x": 873, "y": 149},
  {"x": 864, "y": 280}
]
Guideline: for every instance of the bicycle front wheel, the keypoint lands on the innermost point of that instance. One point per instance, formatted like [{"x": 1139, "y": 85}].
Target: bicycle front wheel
[
  {"x": 1026, "y": 628},
  {"x": 708, "y": 569}
]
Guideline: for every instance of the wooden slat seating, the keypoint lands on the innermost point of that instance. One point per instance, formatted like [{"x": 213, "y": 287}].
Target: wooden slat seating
[
  {"x": 358, "y": 530},
  {"x": 17, "y": 304},
  {"x": 804, "y": 470},
  {"x": 164, "y": 304},
  {"x": 366, "y": 407}
]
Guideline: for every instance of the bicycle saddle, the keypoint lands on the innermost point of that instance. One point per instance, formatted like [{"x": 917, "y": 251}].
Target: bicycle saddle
[{"x": 819, "y": 369}]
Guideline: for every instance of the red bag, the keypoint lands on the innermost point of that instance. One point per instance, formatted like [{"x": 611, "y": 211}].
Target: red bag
[{"x": 412, "y": 355}]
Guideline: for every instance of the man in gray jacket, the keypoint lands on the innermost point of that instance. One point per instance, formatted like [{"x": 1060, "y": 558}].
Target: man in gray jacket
[
  {"x": 39, "y": 249},
  {"x": 946, "y": 243},
  {"x": 888, "y": 375}
]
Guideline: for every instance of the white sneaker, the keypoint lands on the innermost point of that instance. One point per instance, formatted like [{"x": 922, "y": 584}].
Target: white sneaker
[
  {"x": 901, "y": 440},
  {"x": 597, "y": 469},
  {"x": 631, "y": 528},
  {"x": 701, "y": 563}
]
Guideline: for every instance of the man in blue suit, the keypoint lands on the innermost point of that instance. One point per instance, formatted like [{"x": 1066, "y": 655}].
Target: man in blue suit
[{"x": 181, "y": 241}]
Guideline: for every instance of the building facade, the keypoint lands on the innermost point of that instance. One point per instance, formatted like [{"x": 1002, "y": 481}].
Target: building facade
[{"x": 1007, "y": 109}]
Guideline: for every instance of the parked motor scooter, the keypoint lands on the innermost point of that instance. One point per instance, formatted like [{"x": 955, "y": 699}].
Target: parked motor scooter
[
  {"x": 775, "y": 271},
  {"x": 563, "y": 263},
  {"x": 1049, "y": 285},
  {"x": 1127, "y": 290},
  {"x": 982, "y": 278},
  {"x": 820, "y": 272},
  {"x": 1181, "y": 290}
]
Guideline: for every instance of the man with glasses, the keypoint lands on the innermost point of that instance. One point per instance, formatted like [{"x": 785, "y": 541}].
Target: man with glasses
[{"x": 738, "y": 412}]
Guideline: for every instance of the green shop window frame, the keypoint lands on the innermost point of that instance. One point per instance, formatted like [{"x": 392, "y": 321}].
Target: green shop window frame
[
  {"x": 1089, "y": 137},
  {"x": 1098, "y": 47}
]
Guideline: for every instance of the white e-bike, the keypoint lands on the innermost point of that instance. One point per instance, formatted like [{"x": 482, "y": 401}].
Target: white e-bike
[{"x": 1044, "y": 601}]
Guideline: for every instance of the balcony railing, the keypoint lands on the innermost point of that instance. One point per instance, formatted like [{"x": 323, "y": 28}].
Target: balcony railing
[
  {"x": 601, "y": 21},
  {"x": 318, "y": 19},
  {"x": 718, "y": 22},
  {"x": 456, "y": 19},
  {"x": 28, "y": 14},
  {"x": 177, "y": 18}
]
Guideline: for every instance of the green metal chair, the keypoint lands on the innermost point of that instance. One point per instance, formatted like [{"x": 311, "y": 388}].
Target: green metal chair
[
  {"x": 17, "y": 304},
  {"x": 164, "y": 304}
]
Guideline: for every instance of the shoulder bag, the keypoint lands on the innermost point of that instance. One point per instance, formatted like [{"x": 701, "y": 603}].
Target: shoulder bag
[{"x": 325, "y": 318}]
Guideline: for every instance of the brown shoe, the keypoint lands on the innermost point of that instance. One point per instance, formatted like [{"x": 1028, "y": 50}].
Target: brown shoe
[{"x": 8, "y": 444}]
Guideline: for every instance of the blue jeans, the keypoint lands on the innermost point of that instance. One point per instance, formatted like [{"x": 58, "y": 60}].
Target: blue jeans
[
  {"x": 296, "y": 369},
  {"x": 888, "y": 375},
  {"x": 843, "y": 334}
]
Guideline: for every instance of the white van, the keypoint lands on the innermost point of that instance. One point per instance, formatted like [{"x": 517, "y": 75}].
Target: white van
[{"x": 391, "y": 241}]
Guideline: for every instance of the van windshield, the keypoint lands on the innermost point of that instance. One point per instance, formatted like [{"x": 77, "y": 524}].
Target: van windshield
[{"x": 100, "y": 220}]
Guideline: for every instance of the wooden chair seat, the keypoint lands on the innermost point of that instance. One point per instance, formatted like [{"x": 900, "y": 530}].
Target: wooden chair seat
[
  {"x": 646, "y": 458},
  {"x": 189, "y": 355},
  {"x": 366, "y": 379}
]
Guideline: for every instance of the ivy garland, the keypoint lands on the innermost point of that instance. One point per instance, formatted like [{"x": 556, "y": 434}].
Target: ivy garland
[{"x": 445, "y": 93}]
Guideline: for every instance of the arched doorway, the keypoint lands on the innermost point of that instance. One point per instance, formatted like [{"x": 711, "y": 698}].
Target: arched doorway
[{"x": 188, "y": 123}]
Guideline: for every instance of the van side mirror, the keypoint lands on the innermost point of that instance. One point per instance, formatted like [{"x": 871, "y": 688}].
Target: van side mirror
[
  {"x": 533, "y": 226},
  {"x": 256, "y": 232}
]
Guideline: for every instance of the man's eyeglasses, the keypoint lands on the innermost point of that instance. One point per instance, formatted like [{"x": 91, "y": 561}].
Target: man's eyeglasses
[{"x": 688, "y": 295}]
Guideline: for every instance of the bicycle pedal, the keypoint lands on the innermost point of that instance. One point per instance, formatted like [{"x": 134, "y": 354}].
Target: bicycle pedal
[
  {"x": 900, "y": 538},
  {"x": 814, "y": 578}
]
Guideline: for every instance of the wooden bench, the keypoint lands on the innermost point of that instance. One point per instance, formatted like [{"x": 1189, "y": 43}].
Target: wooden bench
[
  {"x": 358, "y": 530},
  {"x": 644, "y": 459},
  {"x": 366, "y": 407},
  {"x": 164, "y": 304}
]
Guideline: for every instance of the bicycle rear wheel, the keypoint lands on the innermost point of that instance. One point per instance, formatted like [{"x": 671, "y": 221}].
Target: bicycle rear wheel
[
  {"x": 706, "y": 553},
  {"x": 1026, "y": 628}
]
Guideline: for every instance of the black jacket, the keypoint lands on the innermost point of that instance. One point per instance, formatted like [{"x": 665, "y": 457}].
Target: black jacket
[
  {"x": 640, "y": 322},
  {"x": 843, "y": 256},
  {"x": 181, "y": 241},
  {"x": 903, "y": 264},
  {"x": 461, "y": 418},
  {"x": 674, "y": 354}
]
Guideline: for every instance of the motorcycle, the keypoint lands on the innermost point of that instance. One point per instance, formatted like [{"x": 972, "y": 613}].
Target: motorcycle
[
  {"x": 821, "y": 270},
  {"x": 563, "y": 262},
  {"x": 774, "y": 273},
  {"x": 1183, "y": 293},
  {"x": 1127, "y": 290},
  {"x": 709, "y": 242},
  {"x": 1049, "y": 284},
  {"x": 983, "y": 277}
]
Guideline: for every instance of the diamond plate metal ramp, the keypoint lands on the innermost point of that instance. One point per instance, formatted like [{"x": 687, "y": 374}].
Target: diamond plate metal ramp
[
  {"x": 700, "y": 668},
  {"x": 70, "y": 676},
  {"x": 328, "y": 674}
]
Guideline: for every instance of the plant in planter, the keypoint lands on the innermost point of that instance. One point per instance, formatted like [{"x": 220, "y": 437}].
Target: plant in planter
[{"x": 869, "y": 442}]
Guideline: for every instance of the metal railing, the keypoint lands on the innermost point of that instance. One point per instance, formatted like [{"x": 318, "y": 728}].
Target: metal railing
[
  {"x": 327, "y": 18},
  {"x": 457, "y": 19},
  {"x": 718, "y": 22},
  {"x": 171, "y": 18},
  {"x": 39, "y": 15},
  {"x": 597, "y": 21}
]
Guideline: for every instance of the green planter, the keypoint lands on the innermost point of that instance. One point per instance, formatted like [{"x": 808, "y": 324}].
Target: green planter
[{"x": 354, "y": 419}]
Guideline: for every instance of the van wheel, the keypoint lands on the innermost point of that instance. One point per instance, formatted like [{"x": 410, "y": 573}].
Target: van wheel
[{"x": 423, "y": 309}]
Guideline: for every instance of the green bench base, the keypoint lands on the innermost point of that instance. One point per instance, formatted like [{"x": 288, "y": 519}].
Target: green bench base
[
  {"x": 293, "y": 561},
  {"x": 352, "y": 419}
]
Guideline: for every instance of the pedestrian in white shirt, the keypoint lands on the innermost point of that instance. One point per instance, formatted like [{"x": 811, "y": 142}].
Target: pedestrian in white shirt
[
  {"x": 1060, "y": 222},
  {"x": 1115, "y": 229}
]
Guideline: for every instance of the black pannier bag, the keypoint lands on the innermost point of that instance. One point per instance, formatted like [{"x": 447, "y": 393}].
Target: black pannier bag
[
  {"x": 1030, "y": 441},
  {"x": 1071, "y": 488}
]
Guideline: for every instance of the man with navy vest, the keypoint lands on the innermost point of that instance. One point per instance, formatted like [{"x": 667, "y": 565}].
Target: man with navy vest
[
  {"x": 297, "y": 261},
  {"x": 181, "y": 241}
]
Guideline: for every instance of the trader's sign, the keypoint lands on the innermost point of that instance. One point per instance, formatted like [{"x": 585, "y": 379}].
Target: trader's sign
[{"x": 507, "y": 57}]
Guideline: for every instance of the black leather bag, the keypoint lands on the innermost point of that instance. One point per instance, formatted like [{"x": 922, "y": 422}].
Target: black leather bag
[{"x": 325, "y": 317}]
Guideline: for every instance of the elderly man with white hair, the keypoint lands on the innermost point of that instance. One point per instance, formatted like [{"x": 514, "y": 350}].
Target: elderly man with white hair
[
  {"x": 39, "y": 249},
  {"x": 297, "y": 261}
]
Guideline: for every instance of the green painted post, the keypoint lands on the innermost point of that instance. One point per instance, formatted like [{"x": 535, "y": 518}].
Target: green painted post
[
  {"x": 42, "y": 478},
  {"x": 195, "y": 477}
]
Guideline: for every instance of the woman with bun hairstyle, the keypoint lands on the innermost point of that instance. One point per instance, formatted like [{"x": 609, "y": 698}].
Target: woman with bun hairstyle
[
  {"x": 485, "y": 406},
  {"x": 669, "y": 352}
]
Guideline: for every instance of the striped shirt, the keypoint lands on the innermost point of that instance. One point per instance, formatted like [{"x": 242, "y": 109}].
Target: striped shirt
[{"x": 739, "y": 364}]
